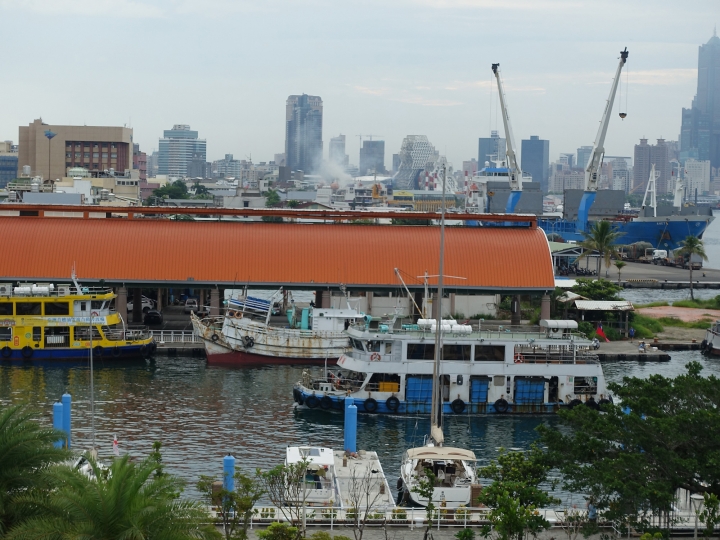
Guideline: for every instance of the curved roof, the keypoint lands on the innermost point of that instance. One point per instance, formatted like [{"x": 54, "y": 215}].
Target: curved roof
[
  {"x": 440, "y": 452},
  {"x": 145, "y": 251}
]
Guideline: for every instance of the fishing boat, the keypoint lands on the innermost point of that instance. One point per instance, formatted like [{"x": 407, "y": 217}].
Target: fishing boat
[
  {"x": 244, "y": 335},
  {"x": 711, "y": 344},
  {"x": 41, "y": 321}
]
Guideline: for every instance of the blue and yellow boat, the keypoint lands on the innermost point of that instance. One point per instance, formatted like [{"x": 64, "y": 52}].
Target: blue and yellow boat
[{"x": 40, "y": 322}]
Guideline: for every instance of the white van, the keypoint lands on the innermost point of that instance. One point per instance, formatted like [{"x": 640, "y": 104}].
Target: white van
[{"x": 191, "y": 305}]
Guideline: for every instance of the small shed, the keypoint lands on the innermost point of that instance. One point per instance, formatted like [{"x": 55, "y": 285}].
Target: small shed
[
  {"x": 566, "y": 255},
  {"x": 618, "y": 306}
]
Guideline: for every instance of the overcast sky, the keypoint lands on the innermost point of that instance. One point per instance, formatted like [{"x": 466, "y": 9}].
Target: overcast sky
[{"x": 383, "y": 67}]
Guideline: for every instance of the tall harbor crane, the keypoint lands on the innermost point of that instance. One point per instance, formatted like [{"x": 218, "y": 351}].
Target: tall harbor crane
[
  {"x": 514, "y": 172},
  {"x": 598, "y": 151}
]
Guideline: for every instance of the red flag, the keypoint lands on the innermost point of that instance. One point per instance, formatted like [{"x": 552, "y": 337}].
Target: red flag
[{"x": 601, "y": 333}]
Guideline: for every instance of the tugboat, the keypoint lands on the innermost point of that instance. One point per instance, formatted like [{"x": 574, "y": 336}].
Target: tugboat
[{"x": 42, "y": 321}]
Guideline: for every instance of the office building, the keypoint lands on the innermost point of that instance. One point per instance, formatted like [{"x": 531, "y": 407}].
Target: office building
[
  {"x": 395, "y": 163},
  {"x": 8, "y": 163},
  {"x": 337, "y": 151},
  {"x": 96, "y": 148},
  {"x": 470, "y": 167},
  {"x": 178, "y": 147},
  {"x": 647, "y": 155},
  {"x": 491, "y": 148},
  {"x": 697, "y": 178},
  {"x": 535, "y": 160},
  {"x": 303, "y": 133},
  {"x": 140, "y": 162},
  {"x": 700, "y": 131},
  {"x": 416, "y": 153},
  {"x": 620, "y": 174},
  {"x": 227, "y": 168},
  {"x": 372, "y": 158},
  {"x": 583, "y": 156}
]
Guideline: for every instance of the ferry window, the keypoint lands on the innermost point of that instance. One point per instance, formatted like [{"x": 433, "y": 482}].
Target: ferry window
[
  {"x": 586, "y": 385},
  {"x": 373, "y": 346},
  {"x": 83, "y": 306},
  {"x": 96, "y": 304},
  {"x": 57, "y": 308},
  {"x": 57, "y": 336},
  {"x": 37, "y": 333},
  {"x": 29, "y": 308},
  {"x": 420, "y": 351},
  {"x": 82, "y": 333},
  {"x": 490, "y": 353},
  {"x": 456, "y": 352},
  {"x": 5, "y": 333},
  {"x": 388, "y": 347},
  {"x": 357, "y": 344},
  {"x": 6, "y": 308}
]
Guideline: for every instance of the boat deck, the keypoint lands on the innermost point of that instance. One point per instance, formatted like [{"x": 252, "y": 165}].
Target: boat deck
[{"x": 362, "y": 481}]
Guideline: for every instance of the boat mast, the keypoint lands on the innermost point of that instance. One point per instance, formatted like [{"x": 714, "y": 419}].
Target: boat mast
[{"x": 436, "y": 412}]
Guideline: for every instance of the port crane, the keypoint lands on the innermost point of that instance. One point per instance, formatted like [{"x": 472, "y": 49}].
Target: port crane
[
  {"x": 598, "y": 151},
  {"x": 514, "y": 172}
]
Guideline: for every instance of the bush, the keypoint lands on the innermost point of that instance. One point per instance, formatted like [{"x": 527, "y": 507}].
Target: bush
[
  {"x": 278, "y": 531},
  {"x": 712, "y": 303},
  {"x": 703, "y": 324},
  {"x": 485, "y": 316},
  {"x": 465, "y": 534},
  {"x": 651, "y": 304},
  {"x": 587, "y": 328},
  {"x": 612, "y": 334},
  {"x": 646, "y": 322}
]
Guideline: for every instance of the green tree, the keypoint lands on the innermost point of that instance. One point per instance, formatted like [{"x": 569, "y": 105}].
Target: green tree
[
  {"x": 286, "y": 489},
  {"x": 692, "y": 245},
  {"x": 126, "y": 501},
  {"x": 597, "y": 289},
  {"x": 620, "y": 265},
  {"x": 632, "y": 458},
  {"x": 174, "y": 190},
  {"x": 272, "y": 198},
  {"x": 515, "y": 495},
  {"x": 602, "y": 237},
  {"x": 426, "y": 489},
  {"x": 26, "y": 451},
  {"x": 235, "y": 508},
  {"x": 200, "y": 190},
  {"x": 292, "y": 203}
]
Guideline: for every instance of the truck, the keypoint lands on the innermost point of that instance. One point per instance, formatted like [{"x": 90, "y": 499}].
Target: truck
[{"x": 679, "y": 260}]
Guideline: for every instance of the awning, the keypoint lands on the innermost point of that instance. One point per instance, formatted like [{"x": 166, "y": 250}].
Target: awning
[
  {"x": 440, "y": 452},
  {"x": 604, "y": 305}
]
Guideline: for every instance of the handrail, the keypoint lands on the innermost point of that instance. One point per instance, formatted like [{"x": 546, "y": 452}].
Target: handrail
[{"x": 175, "y": 336}]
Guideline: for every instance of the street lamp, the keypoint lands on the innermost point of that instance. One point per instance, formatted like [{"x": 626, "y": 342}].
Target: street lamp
[
  {"x": 49, "y": 134},
  {"x": 696, "y": 502}
]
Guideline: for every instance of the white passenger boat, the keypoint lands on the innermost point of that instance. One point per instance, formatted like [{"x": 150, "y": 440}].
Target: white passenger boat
[
  {"x": 244, "y": 334},
  {"x": 711, "y": 344},
  {"x": 500, "y": 369}
]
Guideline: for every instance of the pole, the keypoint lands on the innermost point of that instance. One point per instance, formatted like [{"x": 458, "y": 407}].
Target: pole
[
  {"x": 436, "y": 417},
  {"x": 92, "y": 382}
]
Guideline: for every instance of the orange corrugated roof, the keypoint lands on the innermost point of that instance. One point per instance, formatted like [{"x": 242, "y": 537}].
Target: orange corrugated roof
[{"x": 162, "y": 251}]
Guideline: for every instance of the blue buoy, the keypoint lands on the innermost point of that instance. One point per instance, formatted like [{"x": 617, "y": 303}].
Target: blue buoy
[
  {"x": 351, "y": 428},
  {"x": 58, "y": 421},
  {"x": 66, "y": 424},
  {"x": 229, "y": 473}
]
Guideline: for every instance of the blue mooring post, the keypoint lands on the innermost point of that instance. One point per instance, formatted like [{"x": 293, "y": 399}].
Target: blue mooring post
[
  {"x": 66, "y": 424},
  {"x": 351, "y": 428},
  {"x": 58, "y": 421},
  {"x": 348, "y": 401},
  {"x": 229, "y": 473}
]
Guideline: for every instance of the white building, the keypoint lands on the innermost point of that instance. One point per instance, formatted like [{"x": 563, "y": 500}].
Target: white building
[{"x": 697, "y": 176}]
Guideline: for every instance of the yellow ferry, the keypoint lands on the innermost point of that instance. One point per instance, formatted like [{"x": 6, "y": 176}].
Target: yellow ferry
[{"x": 47, "y": 322}]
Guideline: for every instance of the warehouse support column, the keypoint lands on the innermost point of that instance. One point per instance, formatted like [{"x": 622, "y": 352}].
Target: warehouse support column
[
  {"x": 545, "y": 307},
  {"x": 515, "y": 310},
  {"x": 369, "y": 296},
  {"x": 121, "y": 303},
  {"x": 137, "y": 316},
  {"x": 159, "y": 303},
  {"x": 214, "y": 302}
]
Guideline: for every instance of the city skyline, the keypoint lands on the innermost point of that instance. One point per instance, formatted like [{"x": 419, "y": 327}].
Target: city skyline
[{"x": 556, "y": 77}]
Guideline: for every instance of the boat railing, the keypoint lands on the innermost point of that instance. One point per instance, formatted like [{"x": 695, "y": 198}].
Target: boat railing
[
  {"x": 338, "y": 383},
  {"x": 174, "y": 336},
  {"x": 534, "y": 355},
  {"x": 58, "y": 292},
  {"x": 481, "y": 330},
  {"x": 133, "y": 333},
  {"x": 262, "y": 329}
]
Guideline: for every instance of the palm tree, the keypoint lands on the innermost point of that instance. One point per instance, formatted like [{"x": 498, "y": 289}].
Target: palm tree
[
  {"x": 602, "y": 237},
  {"x": 124, "y": 502},
  {"x": 620, "y": 265},
  {"x": 692, "y": 245},
  {"x": 26, "y": 451}
]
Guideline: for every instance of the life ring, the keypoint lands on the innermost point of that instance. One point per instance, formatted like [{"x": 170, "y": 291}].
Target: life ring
[
  {"x": 230, "y": 313},
  {"x": 238, "y": 315},
  {"x": 501, "y": 406},
  {"x": 215, "y": 338},
  {"x": 375, "y": 357},
  {"x": 458, "y": 406},
  {"x": 326, "y": 402},
  {"x": 116, "y": 351},
  {"x": 6, "y": 352},
  {"x": 26, "y": 352},
  {"x": 392, "y": 403},
  {"x": 519, "y": 358},
  {"x": 370, "y": 405},
  {"x": 574, "y": 403},
  {"x": 98, "y": 350}
]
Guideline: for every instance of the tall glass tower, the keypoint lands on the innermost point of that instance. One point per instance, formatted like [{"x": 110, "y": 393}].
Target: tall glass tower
[{"x": 303, "y": 133}]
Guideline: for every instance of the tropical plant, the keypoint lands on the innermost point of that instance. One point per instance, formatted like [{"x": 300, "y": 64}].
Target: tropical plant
[
  {"x": 602, "y": 237},
  {"x": 692, "y": 245},
  {"x": 26, "y": 451},
  {"x": 620, "y": 265},
  {"x": 426, "y": 490},
  {"x": 126, "y": 501},
  {"x": 235, "y": 507}
]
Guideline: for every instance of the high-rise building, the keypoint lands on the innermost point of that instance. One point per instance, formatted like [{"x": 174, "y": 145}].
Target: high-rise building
[
  {"x": 8, "y": 163},
  {"x": 140, "y": 162},
  {"x": 372, "y": 157},
  {"x": 535, "y": 159},
  {"x": 337, "y": 151},
  {"x": 700, "y": 131},
  {"x": 227, "y": 168},
  {"x": 95, "y": 148},
  {"x": 178, "y": 147},
  {"x": 620, "y": 175},
  {"x": 470, "y": 167},
  {"x": 697, "y": 177},
  {"x": 197, "y": 167},
  {"x": 583, "y": 156},
  {"x": 491, "y": 148},
  {"x": 303, "y": 133},
  {"x": 647, "y": 155},
  {"x": 152, "y": 163},
  {"x": 416, "y": 153}
]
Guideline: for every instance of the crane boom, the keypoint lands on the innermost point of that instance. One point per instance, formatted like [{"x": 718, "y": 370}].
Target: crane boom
[{"x": 515, "y": 174}]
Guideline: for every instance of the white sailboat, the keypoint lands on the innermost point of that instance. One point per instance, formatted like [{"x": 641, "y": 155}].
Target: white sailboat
[{"x": 453, "y": 468}]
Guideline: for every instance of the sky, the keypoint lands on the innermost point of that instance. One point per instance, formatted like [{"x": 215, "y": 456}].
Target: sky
[{"x": 387, "y": 68}]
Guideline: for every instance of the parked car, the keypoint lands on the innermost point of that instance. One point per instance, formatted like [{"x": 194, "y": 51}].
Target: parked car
[
  {"x": 153, "y": 316},
  {"x": 191, "y": 305},
  {"x": 147, "y": 305}
]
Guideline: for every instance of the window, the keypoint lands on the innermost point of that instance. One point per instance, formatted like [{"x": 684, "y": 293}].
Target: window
[
  {"x": 96, "y": 154},
  {"x": 57, "y": 336},
  {"x": 113, "y": 155},
  {"x": 82, "y": 333},
  {"x": 356, "y": 344},
  {"x": 37, "y": 333},
  {"x": 68, "y": 154},
  {"x": 86, "y": 155},
  {"x": 490, "y": 353},
  {"x": 68, "y": 145},
  {"x": 97, "y": 304},
  {"x": 456, "y": 352},
  {"x": 68, "y": 164},
  {"x": 77, "y": 146},
  {"x": 95, "y": 146},
  {"x": 113, "y": 146},
  {"x": 6, "y": 308},
  {"x": 586, "y": 385},
  {"x": 29, "y": 308},
  {"x": 420, "y": 351},
  {"x": 78, "y": 155},
  {"x": 57, "y": 308},
  {"x": 104, "y": 145},
  {"x": 5, "y": 333},
  {"x": 104, "y": 154}
]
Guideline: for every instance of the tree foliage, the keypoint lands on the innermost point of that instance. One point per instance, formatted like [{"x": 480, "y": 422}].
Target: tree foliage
[
  {"x": 692, "y": 245},
  {"x": 426, "y": 489},
  {"x": 286, "y": 489},
  {"x": 235, "y": 508},
  {"x": 632, "y": 458},
  {"x": 174, "y": 190},
  {"x": 603, "y": 238},
  {"x": 597, "y": 289}
]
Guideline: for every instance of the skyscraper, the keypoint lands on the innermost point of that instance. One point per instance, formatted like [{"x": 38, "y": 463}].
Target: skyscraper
[
  {"x": 647, "y": 155},
  {"x": 416, "y": 153},
  {"x": 372, "y": 157},
  {"x": 303, "y": 133},
  {"x": 700, "y": 131},
  {"x": 178, "y": 147},
  {"x": 535, "y": 159},
  {"x": 490, "y": 148},
  {"x": 583, "y": 156},
  {"x": 337, "y": 151}
]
